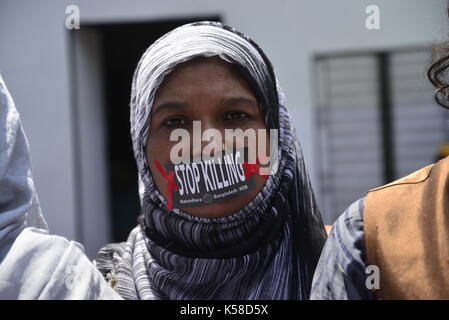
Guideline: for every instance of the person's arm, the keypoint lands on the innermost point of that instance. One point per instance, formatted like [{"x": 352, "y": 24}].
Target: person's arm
[
  {"x": 48, "y": 267},
  {"x": 341, "y": 270}
]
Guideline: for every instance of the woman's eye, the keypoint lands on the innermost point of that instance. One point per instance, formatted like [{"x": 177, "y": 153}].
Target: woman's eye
[
  {"x": 175, "y": 122},
  {"x": 236, "y": 115}
]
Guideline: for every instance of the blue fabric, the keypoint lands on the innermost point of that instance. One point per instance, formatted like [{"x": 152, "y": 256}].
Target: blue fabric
[{"x": 341, "y": 271}]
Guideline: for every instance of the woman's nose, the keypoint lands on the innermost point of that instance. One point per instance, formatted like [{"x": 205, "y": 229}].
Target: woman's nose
[{"x": 211, "y": 134}]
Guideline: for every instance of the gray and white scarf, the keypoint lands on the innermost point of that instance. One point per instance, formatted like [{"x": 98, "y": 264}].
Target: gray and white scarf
[{"x": 267, "y": 250}]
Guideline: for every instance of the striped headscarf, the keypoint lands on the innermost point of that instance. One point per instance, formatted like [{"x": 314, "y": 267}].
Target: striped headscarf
[{"x": 267, "y": 250}]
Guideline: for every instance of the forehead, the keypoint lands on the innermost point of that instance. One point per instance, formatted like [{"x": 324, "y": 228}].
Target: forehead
[{"x": 212, "y": 73}]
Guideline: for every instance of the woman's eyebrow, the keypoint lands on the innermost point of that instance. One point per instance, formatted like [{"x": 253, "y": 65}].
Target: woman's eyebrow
[
  {"x": 170, "y": 105},
  {"x": 229, "y": 101}
]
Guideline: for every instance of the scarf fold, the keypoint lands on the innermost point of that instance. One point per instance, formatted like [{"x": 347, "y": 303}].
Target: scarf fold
[
  {"x": 33, "y": 263},
  {"x": 19, "y": 204},
  {"x": 267, "y": 250}
]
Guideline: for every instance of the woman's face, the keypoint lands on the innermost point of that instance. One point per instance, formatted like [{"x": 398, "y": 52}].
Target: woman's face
[{"x": 210, "y": 91}]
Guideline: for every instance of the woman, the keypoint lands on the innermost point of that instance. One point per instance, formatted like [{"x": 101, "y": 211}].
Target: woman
[{"x": 262, "y": 244}]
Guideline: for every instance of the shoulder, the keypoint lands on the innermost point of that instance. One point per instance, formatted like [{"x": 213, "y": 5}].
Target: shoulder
[
  {"x": 340, "y": 273},
  {"x": 33, "y": 246},
  {"x": 399, "y": 199},
  {"x": 415, "y": 177},
  {"x": 349, "y": 225},
  {"x": 347, "y": 234}
]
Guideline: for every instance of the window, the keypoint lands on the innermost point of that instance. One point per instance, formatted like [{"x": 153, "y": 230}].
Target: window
[{"x": 376, "y": 122}]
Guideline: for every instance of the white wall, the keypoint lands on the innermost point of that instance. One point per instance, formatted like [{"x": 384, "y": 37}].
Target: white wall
[{"x": 34, "y": 62}]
